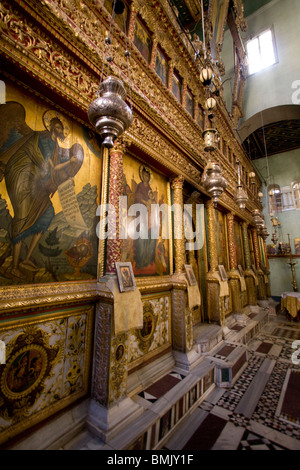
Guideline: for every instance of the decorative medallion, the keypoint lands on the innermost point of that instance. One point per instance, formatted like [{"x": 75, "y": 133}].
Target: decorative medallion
[
  {"x": 145, "y": 335},
  {"x": 22, "y": 379}
]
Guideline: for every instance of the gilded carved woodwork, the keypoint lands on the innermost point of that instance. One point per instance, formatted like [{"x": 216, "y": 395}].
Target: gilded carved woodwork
[
  {"x": 178, "y": 319},
  {"x": 47, "y": 365},
  {"x": 68, "y": 70},
  {"x": 213, "y": 255},
  {"x": 246, "y": 245},
  {"x": 155, "y": 336},
  {"x": 231, "y": 241}
]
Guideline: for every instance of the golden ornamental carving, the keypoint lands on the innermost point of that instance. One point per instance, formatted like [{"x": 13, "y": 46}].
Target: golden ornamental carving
[
  {"x": 231, "y": 241},
  {"x": 118, "y": 368},
  {"x": 179, "y": 241},
  {"x": 256, "y": 248},
  {"x": 63, "y": 67},
  {"x": 213, "y": 256},
  {"x": 246, "y": 245}
]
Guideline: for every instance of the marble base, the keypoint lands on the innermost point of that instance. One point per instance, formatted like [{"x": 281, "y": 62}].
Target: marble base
[
  {"x": 106, "y": 423},
  {"x": 186, "y": 361},
  {"x": 57, "y": 431},
  {"x": 141, "y": 378}
]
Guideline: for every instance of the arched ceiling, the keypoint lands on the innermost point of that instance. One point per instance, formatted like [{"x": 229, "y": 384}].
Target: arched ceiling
[{"x": 272, "y": 131}]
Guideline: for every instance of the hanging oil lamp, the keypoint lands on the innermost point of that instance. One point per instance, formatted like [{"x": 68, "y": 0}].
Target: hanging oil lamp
[
  {"x": 211, "y": 139},
  {"x": 257, "y": 219},
  {"x": 213, "y": 181},
  {"x": 109, "y": 113},
  {"x": 240, "y": 196}
]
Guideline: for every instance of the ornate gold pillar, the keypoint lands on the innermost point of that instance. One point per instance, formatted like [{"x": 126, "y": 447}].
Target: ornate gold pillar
[
  {"x": 153, "y": 52},
  {"x": 110, "y": 407},
  {"x": 182, "y": 319},
  {"x": 179, "y": 242},
  {"x": 132, "y": 18},
  {"x": 234, "y": 282},
  {"x": 212, "y": 243},
  {"x": 231, "y": 241},
  {"x": 184, "y": 92},
  {"x": 262, "y": 295},
  {"x": 170, "y": 77},
  {"x": 213, "y": 288},
  {"x": 249, "y": 274}
]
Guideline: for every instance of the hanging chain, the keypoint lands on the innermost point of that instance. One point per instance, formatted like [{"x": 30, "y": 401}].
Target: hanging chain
[{"x": 108, "y": 42}]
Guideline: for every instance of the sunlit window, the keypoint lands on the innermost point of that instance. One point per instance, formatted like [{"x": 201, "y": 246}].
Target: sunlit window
[{"x": 261, "y": 52}]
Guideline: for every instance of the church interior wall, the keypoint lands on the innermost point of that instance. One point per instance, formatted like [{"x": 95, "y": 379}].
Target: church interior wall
[
  {"x": 273, "y": 86},
  {"x": 284, "y": 169}
]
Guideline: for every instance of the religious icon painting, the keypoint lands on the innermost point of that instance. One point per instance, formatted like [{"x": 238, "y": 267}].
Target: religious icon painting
[
  {"x": 222, "y": 272},
  {"x": 125, "y": 276},
  {"x": 22, "y": 379},
  {"x": 240, "y": 270},
  {"x": 146, "y": 239},
  {"x": 48, "y": 193},
  {"x": 190, "y": 274}
]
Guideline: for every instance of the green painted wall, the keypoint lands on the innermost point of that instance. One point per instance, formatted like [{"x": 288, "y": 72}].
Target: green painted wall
[
  {"x": 272, "y": 86},
  {"x": 283, "y": 169}
]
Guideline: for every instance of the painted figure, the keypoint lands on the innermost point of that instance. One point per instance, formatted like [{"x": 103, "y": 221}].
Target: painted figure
[
  {"x": 33, "y": 165},
  {"x": 145, "y": 248}
]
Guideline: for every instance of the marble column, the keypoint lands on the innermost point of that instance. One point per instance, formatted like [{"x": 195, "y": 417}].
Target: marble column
[{"x": 110, "y": 408}]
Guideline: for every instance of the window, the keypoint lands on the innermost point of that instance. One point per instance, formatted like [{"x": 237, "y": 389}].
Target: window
[
  {"x": 261, "y": 52},
  {"x": 296, "y": 193},
  {"x": 275, "y": 201}
]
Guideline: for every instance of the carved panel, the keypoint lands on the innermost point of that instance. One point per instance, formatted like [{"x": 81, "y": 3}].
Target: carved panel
[
  {"x": 155, "y": 335},
  {"x": 47, "y": 366}
]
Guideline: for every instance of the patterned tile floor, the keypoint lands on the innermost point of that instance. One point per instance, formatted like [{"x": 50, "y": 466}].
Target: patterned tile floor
[
  {"x": 248, "y": 415},
  {"x": 265, "y": 429}
]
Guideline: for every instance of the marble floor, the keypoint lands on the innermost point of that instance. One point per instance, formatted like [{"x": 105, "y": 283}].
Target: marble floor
[{"x": 260, "y": 411}]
